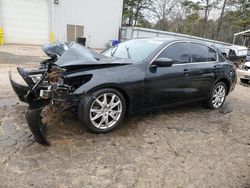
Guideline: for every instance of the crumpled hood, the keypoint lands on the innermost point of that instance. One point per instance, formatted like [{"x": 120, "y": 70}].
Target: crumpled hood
[{"x": 79, "y": 56}]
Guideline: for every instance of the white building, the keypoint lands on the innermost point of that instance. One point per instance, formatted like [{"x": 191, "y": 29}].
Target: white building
[{"x": 42, "y": 21}]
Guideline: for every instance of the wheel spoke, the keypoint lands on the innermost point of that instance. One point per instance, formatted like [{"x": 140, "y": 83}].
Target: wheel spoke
[
  {"x": 99, "y": 102},
  {"x": 221, "y": 89},
  {"x": 112, "y": 116},
  {"x": 218, "y": 103},
  {"x": 101, "y": 122},
  {"x": 105, "y": 99},
  {"x": 214, "y": 101},
  {"x": 115, "y": 111},
  {"x": 215, "y": 93},
  {"x": 107, "y": 121},
  {"x": 111, "y": 103},
  {"x": 115, "y": 104},
  {"x": 97, "y": 116},
  {"x": 96, "y": 110}
]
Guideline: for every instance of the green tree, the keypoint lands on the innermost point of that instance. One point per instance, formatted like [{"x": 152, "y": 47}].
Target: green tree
[
  {"x": 221, "y": 17},
  {"x": 242, "y": 13},
  {"x": 207, "y": 7},
  {"x": 191, "y": 23},
  {"x": 133, "y": 12}
]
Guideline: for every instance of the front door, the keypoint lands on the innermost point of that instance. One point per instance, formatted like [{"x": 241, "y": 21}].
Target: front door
[{"x": 168, "y": 85}]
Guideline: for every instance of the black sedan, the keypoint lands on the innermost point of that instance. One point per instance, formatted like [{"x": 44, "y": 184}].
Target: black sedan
[{"x": 133, "y": 76}]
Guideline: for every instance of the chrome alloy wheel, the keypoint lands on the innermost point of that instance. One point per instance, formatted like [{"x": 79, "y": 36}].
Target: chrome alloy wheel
[
  {"x": 219, "y": 96},
  {"x": 105, "y": 111}
]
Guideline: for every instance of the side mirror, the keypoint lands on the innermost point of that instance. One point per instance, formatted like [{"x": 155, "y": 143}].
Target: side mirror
[{"x": 163, "y": 62}]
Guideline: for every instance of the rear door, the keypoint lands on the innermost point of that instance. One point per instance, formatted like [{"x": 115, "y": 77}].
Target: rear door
[{"x": 201, "y": 70}]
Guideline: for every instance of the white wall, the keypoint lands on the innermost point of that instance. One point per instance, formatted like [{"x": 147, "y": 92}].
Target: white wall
[
  {"x": 101, "y": 19},
  {"x": 1, "y": 12},
  {"x": 25, "y": 21}
]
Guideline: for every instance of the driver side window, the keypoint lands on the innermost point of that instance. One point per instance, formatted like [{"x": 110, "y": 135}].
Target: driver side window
[{"x": 177, "y": 52}]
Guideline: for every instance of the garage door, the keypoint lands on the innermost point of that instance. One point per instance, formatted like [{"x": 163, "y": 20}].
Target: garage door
[{"x": 25, "y": 21}]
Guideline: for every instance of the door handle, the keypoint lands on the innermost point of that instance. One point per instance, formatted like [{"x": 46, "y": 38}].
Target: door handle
[{"x": 186, "y": 72}]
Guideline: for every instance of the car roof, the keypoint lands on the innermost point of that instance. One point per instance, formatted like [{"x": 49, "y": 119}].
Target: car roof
[
  {"x": 156, "y": 39},
  {"x": 167, "y": 40}
]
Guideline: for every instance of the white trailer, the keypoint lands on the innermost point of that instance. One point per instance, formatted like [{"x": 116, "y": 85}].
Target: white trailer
[{"x": 226, "y": 48}]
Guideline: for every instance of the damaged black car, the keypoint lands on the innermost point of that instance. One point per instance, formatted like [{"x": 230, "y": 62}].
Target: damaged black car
[{"x": 133, "y": 76}]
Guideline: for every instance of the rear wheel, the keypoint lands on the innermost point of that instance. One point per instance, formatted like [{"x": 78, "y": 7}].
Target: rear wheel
[
  {"x": 102, "y": 111},
  {"x": 217, "y": 96},
  {"x": 244, "y": 81}
]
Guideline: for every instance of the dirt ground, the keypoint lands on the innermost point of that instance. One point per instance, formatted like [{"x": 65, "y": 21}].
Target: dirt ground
[{"x": 183, "y": 147}]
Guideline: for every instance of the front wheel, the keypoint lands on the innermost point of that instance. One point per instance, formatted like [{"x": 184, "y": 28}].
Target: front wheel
[
  {"x": 102, "y": 111},
  {"x": 217, "y": 96}
]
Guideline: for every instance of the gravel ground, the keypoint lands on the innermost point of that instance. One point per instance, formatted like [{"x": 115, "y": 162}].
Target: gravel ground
[{"x": 182, "y": 147}]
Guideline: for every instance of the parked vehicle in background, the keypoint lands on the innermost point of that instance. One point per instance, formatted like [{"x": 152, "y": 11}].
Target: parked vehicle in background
[
  {"x": 244, "y": 73},
  {"x": 248, "y": 56},
  {"x": 133, "y": 76}
]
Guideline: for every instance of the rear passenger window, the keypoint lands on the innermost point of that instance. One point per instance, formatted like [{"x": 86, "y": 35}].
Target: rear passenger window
[
  {"x": 212, "y": 55},
  {"x": 177, "y": 52},
  {"x": 200, "y": 53},
  {"x": 221, "y": 58}
]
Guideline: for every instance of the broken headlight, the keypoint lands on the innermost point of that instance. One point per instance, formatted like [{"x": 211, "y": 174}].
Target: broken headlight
[
  {"x": 36, "y": 77},
  {"x": 55, "y": 75}
]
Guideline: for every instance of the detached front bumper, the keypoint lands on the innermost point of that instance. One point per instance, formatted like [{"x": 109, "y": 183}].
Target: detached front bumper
[
  {"x": 20, "y": 90},
  {"x": 33, "y": 113}
]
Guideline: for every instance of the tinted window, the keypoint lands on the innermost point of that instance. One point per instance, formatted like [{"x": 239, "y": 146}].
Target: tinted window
[
  {"x": 200, "y": 53},
  {"x": 212, "y": 55},
  {"x": 177, "y": 52},
  {"x": 221, "y": 58}
]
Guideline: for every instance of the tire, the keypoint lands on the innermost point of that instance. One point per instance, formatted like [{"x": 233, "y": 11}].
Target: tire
[
  {"x": 244, "y": 81},
  {"x": 99, "y": 116},
  {"x": 210, "y": 103}
]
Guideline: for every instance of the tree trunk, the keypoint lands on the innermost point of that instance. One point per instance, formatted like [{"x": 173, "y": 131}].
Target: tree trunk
[
  {"x": 204, "y": 26},
  {"x": 130, "y": 21},
  {"x": 136, "y": 13},
  {"x": 220, "y": 20}
]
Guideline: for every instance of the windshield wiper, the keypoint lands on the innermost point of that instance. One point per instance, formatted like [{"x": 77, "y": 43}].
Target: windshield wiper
[
  {"x": 113, "y": 51},
  {"x": 128, "y": 53}
]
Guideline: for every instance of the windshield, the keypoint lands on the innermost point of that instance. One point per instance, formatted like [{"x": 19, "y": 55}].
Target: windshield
[{"x": 136, "y": 50}]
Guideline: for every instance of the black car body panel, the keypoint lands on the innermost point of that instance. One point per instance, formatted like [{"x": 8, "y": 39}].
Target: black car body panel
[
  {"x": 77, "y": 72},
  {"x": 20, "y": 90}
]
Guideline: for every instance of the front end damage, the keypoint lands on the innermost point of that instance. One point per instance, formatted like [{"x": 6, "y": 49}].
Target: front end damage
[
  {"x": 56, "y": 81},
  {"x": 44, "y": 87}
]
